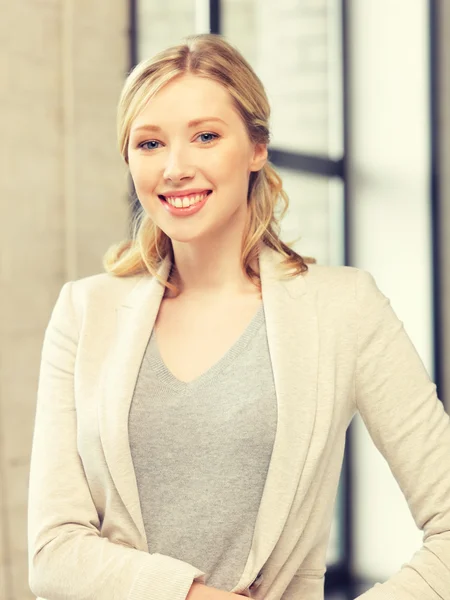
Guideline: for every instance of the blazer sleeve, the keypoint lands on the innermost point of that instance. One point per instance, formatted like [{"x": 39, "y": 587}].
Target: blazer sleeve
[
  {"x": 68, "y": 557},
  {"x": 409, "y": 426}
]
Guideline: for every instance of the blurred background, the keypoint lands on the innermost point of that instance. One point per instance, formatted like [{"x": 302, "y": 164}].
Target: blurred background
[{"x": 360, "y": 94}]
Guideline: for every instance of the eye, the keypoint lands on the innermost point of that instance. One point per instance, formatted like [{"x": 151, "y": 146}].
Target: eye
[
  {"x": 144, "y": 145},
  {"x": 214, "y": 136}
]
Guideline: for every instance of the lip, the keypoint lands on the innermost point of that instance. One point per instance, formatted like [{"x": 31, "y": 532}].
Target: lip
[
  {"x": 188, "y": 210},
  {"x": 181, "y": 193}
]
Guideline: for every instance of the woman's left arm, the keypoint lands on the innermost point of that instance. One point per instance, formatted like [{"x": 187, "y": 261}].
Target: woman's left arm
[{"x": 409, "y": 426}]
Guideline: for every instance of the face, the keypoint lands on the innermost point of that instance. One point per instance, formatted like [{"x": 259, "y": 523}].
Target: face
[{"x": 190, "y": 158}]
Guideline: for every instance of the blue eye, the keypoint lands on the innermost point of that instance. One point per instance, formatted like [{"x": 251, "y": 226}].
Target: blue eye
[
  {"x": 214, "y": 136},
  {"x": 144, "y": 144}
]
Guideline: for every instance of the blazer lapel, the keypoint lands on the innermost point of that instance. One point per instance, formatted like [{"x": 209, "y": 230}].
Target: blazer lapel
[
  {"x": 134, "y": 323},
  {"x": 292, "y": 332}
]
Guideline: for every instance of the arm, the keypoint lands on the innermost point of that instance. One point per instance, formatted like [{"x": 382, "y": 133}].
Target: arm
[
  {"x": 68, "y": 557},
  {"x": 408, "y": 424}
]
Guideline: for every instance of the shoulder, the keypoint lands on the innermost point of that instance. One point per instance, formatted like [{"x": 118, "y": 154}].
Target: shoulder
[
  {"x": 317, "y": 279},
  {"x": 340, "y": 283},
  {"x": 102, "y": 289},
  {"x": 328, "y": 278},
  {"x": 325, "y": 275},
  {"x": 105, "y": 281}
]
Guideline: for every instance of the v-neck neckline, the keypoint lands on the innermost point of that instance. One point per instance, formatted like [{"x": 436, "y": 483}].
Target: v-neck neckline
[{"x": 165, "y": 376}]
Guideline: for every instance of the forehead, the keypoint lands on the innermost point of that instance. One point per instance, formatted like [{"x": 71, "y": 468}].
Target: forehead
[{"x": 185, "y": 98}]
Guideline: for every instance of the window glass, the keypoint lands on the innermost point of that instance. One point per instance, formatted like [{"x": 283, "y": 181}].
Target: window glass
[
  {"x": 314, "y": 220},
  {"x": 295, "y": 48},
  {"x": 163, "y": 24}
]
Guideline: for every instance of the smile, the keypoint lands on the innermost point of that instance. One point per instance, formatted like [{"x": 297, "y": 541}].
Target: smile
[
  {"x": 184, "y": 206},
  {"x": 185, "y": 201}
]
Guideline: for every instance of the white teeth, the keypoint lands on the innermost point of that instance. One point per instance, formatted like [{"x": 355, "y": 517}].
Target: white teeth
[{"x": 185, "y": 201}]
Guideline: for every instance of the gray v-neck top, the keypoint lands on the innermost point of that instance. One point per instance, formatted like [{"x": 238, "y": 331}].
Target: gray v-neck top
[{"x": 201, "y": 451}]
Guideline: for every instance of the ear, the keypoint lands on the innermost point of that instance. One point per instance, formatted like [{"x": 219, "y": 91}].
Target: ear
[{"x": 259, "y": 157}]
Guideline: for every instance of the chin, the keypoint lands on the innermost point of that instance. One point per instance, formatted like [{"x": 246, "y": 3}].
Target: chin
[
  {"x": 199, "y": 232},
  {"x": 185, "y": 237}
]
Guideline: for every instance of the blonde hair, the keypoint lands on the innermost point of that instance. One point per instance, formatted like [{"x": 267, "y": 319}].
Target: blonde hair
[{"x": 209, "y": 56}]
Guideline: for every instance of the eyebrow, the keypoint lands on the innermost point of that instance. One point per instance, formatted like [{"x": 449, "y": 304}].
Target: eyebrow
[{"x": 193, "y": 123}]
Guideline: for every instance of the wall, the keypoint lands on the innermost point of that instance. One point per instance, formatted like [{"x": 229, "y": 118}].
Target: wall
[{"x": 63, "y": 200}]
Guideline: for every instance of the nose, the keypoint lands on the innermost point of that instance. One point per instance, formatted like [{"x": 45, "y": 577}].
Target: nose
[{"x": 177, "y": 166}]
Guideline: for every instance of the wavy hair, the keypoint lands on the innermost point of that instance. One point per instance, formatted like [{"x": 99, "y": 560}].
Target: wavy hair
[{"x": 209, "y": 56}]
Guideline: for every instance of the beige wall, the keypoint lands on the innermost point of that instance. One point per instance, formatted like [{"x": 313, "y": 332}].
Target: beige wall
[{"x": 63, "y": 200}]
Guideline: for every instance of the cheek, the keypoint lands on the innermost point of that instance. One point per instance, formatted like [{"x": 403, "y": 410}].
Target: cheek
[
  {"x": 142, "y": 175},
  {"x": 229, "y": 165}
]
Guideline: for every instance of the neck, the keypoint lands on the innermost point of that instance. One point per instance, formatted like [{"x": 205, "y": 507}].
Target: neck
[{"x": 209, "y": 269}]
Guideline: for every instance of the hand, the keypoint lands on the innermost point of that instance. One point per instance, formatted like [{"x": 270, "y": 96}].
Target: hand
[{"x": 200, "y": 591}]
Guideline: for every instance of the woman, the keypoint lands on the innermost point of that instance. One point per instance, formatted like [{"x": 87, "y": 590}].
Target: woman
[{"x": 193, "y": 401}]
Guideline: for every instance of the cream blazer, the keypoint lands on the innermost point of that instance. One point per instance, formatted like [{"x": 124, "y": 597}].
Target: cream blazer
[{"x": 336, "y": 348}]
